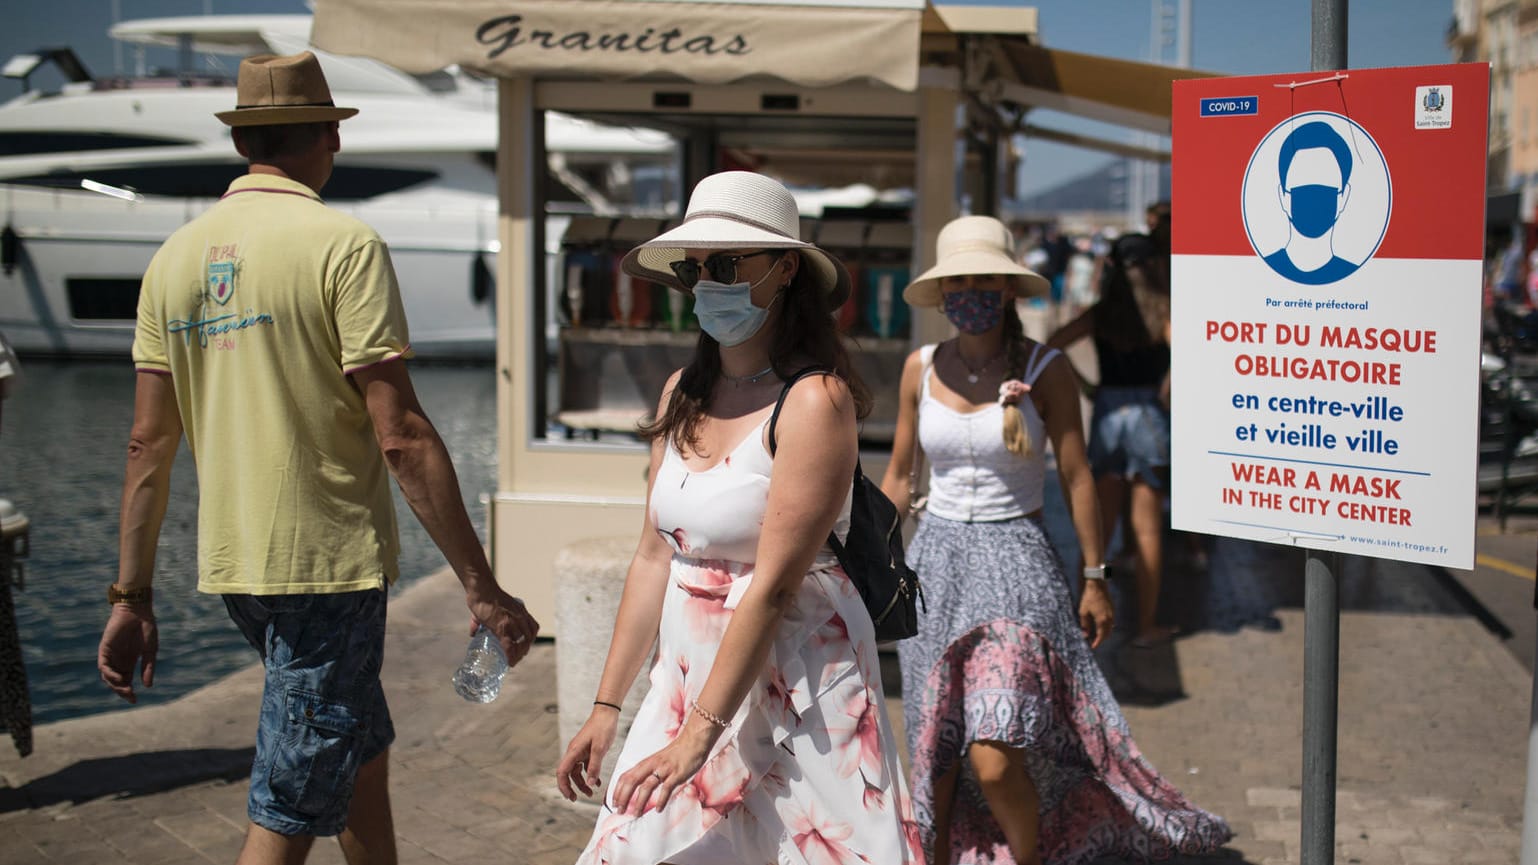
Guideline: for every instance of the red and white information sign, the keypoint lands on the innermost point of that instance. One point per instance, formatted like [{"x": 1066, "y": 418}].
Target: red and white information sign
[{"x": 1328, "y": 239}]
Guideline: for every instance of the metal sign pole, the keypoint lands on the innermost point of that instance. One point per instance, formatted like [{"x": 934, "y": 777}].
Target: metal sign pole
[
  {"x": 1321, "y": 669},
  {"x": 1321, "y": 599},
  {"x": 1529, "y": 855}
]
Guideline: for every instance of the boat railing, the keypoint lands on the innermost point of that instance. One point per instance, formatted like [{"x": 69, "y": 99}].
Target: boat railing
[
  {"x": 163, "y": 81},
  {"x": 76, "y": 75}
]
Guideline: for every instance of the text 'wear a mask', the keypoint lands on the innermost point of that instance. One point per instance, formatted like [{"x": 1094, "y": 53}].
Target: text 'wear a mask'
[
  {"x": 726, "y": 311},
  {"x": 974, "y": 311}
]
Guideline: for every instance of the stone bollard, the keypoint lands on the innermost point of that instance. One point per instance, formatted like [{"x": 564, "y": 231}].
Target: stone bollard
[{"x": 589, "y": 578}]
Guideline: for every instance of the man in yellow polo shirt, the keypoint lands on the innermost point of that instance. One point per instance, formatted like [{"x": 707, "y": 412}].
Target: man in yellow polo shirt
[{"x": 271, "y": 332}]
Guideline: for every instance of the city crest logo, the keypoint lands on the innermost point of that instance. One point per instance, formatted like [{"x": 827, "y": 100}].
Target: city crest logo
[{"x": 1434, "y": 106}]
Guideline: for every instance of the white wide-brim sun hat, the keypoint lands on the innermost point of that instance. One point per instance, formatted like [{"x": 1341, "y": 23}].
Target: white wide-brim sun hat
[
  {"x": 973, "y": 246},
  {"x": 738, "y": 210}
]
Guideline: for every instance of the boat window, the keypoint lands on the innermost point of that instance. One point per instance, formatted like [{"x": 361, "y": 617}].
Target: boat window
[
  {"x": 211, "y": 179},
  {"x": 21, "y": 143},
  {"x": 97, "y": 298},
  {"x": 367, "y": 181}
]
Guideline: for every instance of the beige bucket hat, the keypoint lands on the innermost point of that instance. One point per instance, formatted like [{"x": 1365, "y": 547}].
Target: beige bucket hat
[
  {"x": 973, "y": 246},
  {"x": 738, "y": 210},
  {"x": 272, "y": 89}
]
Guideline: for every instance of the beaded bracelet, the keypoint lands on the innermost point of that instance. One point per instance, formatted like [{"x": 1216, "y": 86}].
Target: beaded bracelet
[{"x": 708, "y": 715}]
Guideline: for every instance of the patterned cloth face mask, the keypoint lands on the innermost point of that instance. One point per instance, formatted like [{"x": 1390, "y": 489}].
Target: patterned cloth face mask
[{"x": 974, "y": 311}]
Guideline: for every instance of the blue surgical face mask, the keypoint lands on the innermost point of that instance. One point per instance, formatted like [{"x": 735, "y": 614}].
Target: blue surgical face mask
[
  {"x": 726, "y": 311},
  {"x": 1313, "y": 208}
]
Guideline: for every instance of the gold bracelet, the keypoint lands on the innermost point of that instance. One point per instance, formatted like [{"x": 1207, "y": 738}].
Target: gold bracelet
[{"x": 708, "y": 715}]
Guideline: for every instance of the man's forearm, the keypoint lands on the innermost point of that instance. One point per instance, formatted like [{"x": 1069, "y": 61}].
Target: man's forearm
[
  {"x": 146, "y": 490},
  {"x": 426, "y": 476}
]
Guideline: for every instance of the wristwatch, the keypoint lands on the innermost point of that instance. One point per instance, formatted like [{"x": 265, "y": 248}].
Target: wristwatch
[
  {"x": 141, "y": 595},
  {"x": 1098, "y": 572}
]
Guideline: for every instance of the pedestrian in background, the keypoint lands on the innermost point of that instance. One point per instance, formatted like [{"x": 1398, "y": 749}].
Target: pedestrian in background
[
  {"x": 15, "y": 699},
  {"x": 764, "y": 737},
  {"x": 270, "y": 330},
  {"x": 1129, "y": 440},
  {"x": 1020, "y": 753}
]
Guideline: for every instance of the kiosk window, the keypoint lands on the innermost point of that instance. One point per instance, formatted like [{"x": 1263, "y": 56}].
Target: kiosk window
[{"x": 616, "y": 339}]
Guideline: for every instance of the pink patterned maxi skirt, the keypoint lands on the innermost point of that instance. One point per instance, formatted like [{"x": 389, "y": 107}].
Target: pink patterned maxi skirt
[
  {"x": 999, "y": 657},
  {"x": 808, "y": 771}
]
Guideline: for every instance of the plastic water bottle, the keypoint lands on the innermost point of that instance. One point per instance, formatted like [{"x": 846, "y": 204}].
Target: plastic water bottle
[{"x": 479, "y": 678}]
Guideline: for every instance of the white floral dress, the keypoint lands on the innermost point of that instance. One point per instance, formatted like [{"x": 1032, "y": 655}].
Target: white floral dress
[{"x": 807, "y": 773}]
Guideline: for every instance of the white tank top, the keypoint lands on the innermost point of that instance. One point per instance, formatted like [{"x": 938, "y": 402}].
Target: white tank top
[
  {"x": 718, "y": 513},
  {"x": 972, "y": 476}
]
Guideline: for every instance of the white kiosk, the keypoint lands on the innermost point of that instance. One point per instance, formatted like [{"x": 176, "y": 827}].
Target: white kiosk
[{"x": 894, "y": 92}]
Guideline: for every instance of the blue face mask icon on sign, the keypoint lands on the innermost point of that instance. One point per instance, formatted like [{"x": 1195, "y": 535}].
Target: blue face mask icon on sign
[
  {"x": 1314, "y": 173},
  {"x": 1315, "y": 200},
  {"x": 1314, "y": 209}
]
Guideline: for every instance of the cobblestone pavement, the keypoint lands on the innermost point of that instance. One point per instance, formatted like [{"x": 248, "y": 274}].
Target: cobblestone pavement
[{"x": 1433, "y": 732}]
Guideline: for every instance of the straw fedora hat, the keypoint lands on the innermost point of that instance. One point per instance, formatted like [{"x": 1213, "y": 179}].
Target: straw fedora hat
[
  {"x": 291, "y": 89},
  {"x": 738, "y": 210},
  {"x": 973, "y": 246}
]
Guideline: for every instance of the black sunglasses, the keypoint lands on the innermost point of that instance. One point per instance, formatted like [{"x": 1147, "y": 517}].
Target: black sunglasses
[{"x": 720, "y": 266}]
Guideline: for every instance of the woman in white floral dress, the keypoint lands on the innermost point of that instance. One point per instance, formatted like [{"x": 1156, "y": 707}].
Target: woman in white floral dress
[{"x": 764, "y": 738}]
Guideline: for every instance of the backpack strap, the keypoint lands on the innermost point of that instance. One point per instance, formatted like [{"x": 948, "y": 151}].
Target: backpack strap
[
  {"x": 833, "y": 541},
  {"x": 784, "y": 392}
]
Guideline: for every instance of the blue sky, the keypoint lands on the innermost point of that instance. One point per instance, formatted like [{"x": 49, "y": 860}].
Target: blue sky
[{"x": 1239, "y": 37}]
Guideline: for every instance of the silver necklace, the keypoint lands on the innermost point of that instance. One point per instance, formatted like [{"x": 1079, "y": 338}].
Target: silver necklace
[
  {"x": 972, "y": 374},
  {"x": 740, "y": 380}
]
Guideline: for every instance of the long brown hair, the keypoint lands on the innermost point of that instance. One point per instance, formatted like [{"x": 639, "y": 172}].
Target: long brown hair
[
  {"x": 1128, "y": 317},
  {"x": 804, "y": 337}
]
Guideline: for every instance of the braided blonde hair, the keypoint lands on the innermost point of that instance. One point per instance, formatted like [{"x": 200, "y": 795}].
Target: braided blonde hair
[{"x": 1017, "y": 439}]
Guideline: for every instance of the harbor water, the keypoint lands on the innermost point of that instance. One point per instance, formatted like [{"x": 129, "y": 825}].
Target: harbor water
[
  {"x": 63, "y": 439},
  {"x": 62, "y": 446}
]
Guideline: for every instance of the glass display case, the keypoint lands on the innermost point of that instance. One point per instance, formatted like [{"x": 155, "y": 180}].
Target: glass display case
[{"x": 618, "y": 338}]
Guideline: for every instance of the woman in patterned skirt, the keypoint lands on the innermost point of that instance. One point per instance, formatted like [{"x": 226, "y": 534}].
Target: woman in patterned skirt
[
  {"x": 1020, "y": 753},
  {"x": 764, "y": 738}
]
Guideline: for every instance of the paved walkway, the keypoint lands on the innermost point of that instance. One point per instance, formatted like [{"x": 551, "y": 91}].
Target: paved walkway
[{"x": 1433, "y": 725}]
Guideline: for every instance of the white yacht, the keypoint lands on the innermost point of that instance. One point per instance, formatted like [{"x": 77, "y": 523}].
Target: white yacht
[{"x": 96, "y": 174}]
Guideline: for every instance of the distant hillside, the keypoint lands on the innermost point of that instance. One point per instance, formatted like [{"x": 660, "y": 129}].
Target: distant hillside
[{"x": 1100, "y": 191}]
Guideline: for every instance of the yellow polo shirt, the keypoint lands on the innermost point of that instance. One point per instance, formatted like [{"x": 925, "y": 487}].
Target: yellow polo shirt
[{"x": 258, "y": 310}]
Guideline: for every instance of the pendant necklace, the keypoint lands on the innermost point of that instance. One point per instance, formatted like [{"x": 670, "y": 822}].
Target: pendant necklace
[
  {"x": 740, "y": 380},
  {"x": 972, "y": 374}
]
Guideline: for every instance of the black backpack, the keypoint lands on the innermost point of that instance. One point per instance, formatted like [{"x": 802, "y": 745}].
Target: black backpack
[{"x": 872, "y": 555}]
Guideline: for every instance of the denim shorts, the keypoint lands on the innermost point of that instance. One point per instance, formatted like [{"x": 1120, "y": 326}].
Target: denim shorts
[
  {"x": 1129, "y": 434},
  {"x": 323, "y": 709}
]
